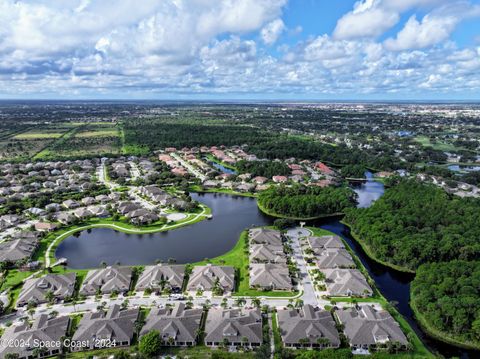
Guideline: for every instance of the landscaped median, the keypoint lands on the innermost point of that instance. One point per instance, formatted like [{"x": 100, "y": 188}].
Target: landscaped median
[{"x": 238, "y": 257}]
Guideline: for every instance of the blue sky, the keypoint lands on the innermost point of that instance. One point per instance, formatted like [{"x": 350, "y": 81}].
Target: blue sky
[{"x": 240, "y": 49}]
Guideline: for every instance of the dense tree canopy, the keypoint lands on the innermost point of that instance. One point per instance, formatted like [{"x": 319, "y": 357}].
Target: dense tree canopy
[
  {"x": 144, "y": 135},
  {"x": 447, "y": 295},
  {"x": 353, "y": 171},
  {"x": 263, "y": 168},
  {"x": 415, "y": 223},
  {"x": 305, "y": 202}
]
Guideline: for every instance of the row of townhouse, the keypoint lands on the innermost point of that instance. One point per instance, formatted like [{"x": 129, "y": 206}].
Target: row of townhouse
[
  {"x": 307, "y": 327},
  {"x": 118, "y": 279},
  {"x": 268, "y": 261},
  {"x": 335, "y": 262}
]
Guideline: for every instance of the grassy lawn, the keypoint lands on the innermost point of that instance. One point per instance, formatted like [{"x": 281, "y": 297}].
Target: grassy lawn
[
  {"x": 277, "y": 339},
  {"x": 238, "y": 257},
  {"x": 440, "y": 146},
  {"x": 99, "y": 133},
  {"x": 37, "y": 135}
]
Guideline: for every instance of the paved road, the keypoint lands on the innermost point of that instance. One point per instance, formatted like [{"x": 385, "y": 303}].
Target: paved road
[
  {"x": 91, "y": 304},
  {"x": 309, "y": 296},
  {"x": 189, "y": 167},
  {"x": 134, "y": 171}
]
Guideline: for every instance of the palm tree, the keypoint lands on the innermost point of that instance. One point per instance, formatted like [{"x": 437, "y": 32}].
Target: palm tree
[
  {"x": 240, "y": 302},
  {"x": 304, "y": 341},
  {"x": 138, "y": 325},
  {"x": 54, "y": 314},
  {"x": 49, "y": 296},
  {"x": 256, "y": 302},
  {"x": 323, "y": 341},
  {"x": 298, "y": 303},
  {"x": 224, "y": 303},
  {"x": 125, "y": 304}
]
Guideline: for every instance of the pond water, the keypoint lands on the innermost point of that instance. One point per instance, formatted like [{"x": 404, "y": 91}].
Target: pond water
[
  {"x": 206, "y": 239},
  {"x": 368, "y": 191},
  {"x": 458, "y": 168},
  {"x": 222, "y": 168},
  {"x": 211, "y": 238}
]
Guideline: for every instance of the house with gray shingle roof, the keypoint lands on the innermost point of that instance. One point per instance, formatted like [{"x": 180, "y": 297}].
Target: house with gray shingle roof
[
  {"x": 307, "y": 327},
  {"x": 365, "y": 326},
  {"x": 324, "y": 242},
  {"x": 265, "y": 236},
  {"x": 115, "y": 327},
  {"x": 238, "y": 327},
  {"x": 206, "y": 278},
  {"x": 107, "y": 280},
  {"x": 177, "y": 326},
  {"x": 270, "y": 276},
  {"x": 263, "y": 253},
  {"x": 17, "y": 250},
  {"x": 70, "y": 204},
  {"x": 346, "y": 283},
  {"x": 43, "y": 329},
  {"x": 160, "y": 275},
  {"x": 334, "y": 258},
  {"x": 35, "y": 289}
]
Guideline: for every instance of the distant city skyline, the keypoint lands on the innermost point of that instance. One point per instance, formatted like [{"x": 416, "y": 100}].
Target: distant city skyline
[{"x": 264, "y": 50}]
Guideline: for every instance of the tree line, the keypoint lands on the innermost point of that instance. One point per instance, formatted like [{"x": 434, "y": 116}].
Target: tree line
[
  {"x": 305, "y": 202},
  {"x": 415, "y": 223},
  {"x": 448, "y": 297}
]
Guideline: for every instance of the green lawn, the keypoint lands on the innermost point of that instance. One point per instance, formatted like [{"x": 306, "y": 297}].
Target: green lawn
[
  {"x": 440, "y": 146},
  {"x": 238, "y": 257}
]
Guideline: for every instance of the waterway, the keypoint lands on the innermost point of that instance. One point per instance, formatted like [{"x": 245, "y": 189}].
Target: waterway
[
  {"x": 211, "y": 238},
  {"x": 458, "y": 168},
  {"x": 222, "y": 168},
  {"x": 368, "y": 191}
]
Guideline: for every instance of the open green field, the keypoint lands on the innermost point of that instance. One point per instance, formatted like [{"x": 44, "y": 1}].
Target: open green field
[
  {"x": 440, "y": 146},
  {"x": 37, "y": 135},
  {"x": 85, "y": 140}
]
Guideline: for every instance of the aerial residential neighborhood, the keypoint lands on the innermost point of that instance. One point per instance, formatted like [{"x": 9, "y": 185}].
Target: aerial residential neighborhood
[{"x": 247, "y": 179}]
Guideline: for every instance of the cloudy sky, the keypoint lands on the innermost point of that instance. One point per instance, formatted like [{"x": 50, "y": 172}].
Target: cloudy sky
[{"x": 240, "y": 49}]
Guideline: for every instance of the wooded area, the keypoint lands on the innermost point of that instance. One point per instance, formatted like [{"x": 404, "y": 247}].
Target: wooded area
[
  {"x": 306, "y": 202},
  {"x": 415, "y": 223},
  {"x": 448, "y": 297}
]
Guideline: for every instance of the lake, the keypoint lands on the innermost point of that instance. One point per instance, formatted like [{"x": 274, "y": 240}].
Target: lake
[
  {"x": 211, "y": 238},
  {"x": 206, "y": 239}
]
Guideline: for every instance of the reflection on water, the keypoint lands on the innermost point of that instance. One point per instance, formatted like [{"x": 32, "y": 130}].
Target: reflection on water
[
  {"x": 368, "y": 191},
  {"x": 208, "y": 239}
]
